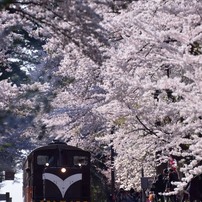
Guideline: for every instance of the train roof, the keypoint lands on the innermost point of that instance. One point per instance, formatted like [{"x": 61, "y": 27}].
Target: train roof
[{"x": 57, "y": 145}]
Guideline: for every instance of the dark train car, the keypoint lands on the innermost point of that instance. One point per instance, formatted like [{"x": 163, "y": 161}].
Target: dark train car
[{"x": 57, "y": 173}]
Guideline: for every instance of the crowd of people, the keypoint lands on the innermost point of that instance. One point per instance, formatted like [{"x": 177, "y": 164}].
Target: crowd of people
[
  {"x": 162, "y": 189},
  {"x": 164, "y": 183},
  {"x": 127, "y": 196}
]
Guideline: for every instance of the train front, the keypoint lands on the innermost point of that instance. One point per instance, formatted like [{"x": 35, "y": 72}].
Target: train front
[{"x": 61, "y": 174}]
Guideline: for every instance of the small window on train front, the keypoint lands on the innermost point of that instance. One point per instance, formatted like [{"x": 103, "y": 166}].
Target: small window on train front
[
  {"x": 42, "y": 160},
  {"x": 80, "y": 160}
]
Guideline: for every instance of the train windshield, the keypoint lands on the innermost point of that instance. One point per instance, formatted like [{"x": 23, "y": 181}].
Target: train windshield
[
  {"x": 74, "y": 158},
  {"x": 42, "y": 159},
  {"x": 55, "y": 158},
  {"x": 47, "y": 158},
  {"x": 80, "y": 160}
]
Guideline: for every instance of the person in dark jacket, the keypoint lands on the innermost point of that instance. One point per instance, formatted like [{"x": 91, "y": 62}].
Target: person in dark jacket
[
  {"x": 159, "y": 186},
  {"x": 172, "y": 177},
  {"x": 121, "y": 196},
  {"x": 132, "y": 195},
  {"x": 195, "y": 188}
]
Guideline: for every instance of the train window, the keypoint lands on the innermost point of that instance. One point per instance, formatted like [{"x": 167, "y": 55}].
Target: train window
[
  {"x": 42, "y": 159},
  {"x": 80, "y": 160}
]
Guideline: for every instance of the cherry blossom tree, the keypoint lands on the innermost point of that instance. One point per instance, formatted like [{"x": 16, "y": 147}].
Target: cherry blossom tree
[
  {"x": 65, "y": 29},
  {"x": 154, "y": 90}
]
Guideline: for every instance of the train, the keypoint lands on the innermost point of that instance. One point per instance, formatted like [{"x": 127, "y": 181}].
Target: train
[{"x": 57, "y": 172}]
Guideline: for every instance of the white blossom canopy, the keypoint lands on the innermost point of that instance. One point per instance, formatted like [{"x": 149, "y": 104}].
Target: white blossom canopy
[{"x": 138, "y": 70}]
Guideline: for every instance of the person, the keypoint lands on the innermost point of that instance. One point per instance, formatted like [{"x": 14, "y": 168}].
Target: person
[
  {"x": 132, "y": 195},
  {"x": 151, "y": 197},
  {"x": 172, "y": 177},
  {"x": 159, "y": 186},
  {"x": 121, "y": 196},
  {"x": 195, "y": 188}
]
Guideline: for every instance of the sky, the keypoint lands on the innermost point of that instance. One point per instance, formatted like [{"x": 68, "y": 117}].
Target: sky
[{"x": 13, "y": 187}]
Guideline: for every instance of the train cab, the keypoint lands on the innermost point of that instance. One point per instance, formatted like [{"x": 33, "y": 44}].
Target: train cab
[{"x": 57, "y": 173}]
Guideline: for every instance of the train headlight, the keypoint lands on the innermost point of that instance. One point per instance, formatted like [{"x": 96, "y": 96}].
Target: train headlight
[{"x": 63, "y": 170}]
